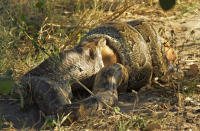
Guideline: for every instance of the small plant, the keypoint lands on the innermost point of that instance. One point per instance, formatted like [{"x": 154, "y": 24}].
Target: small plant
[
  {"x": 139, "y": 122},
  {"x": 163, "y": 99},
  {"x": 49, "y": 124},
  {"x": 55, "y": 123},
  {"x": 60, "y": 121},
  {"x": 124, "y": 126},
  {"x": 191, "y": 88}
]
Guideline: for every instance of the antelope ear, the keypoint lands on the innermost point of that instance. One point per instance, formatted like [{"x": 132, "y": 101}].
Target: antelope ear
[{"x": 101, "y": 42}]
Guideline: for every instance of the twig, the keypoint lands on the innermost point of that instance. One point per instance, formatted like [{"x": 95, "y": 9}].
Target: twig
[
  {"x": 76, "y": 32},
  {"x": 120, "y": 12},
  {"x": 136, "y": 100}
]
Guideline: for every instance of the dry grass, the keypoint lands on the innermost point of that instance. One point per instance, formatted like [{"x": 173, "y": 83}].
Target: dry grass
[{"x": 30, "y": 31}]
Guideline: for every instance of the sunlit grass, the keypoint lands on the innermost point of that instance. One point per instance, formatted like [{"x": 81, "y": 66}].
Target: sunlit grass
[{"x": 30, "y": 31}]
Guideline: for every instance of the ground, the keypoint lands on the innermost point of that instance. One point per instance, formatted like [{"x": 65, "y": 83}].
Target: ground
[{"x": 174, "y": 106}]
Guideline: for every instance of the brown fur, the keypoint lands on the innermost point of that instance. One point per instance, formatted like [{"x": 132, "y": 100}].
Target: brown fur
[
  {"x": 108, "y": 56},
  {"x": 170, "y": 53}
]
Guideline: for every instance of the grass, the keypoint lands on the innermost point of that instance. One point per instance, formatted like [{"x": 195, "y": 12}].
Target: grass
[
  {"x": 47, "y": 27},
  {"x": 190, "y": 88},
  {"x": 187, "y": 7},
  {"x": 32, "y": 30},
  {"x": 33, "y": 35}
]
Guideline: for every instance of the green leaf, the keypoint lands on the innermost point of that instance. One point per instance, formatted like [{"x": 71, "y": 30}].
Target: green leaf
[
  {"x": 6, "y": 84},
  {"x": 167, "y": 4},
  {"x": 9, "y": 72},
  {"x": 39, "y": 4},
  {"x": 65, "y": 118},
  {"x": 22, "y": 17},
  {"x": 32, "y": 4},
  {"x": 117, "y": 110}
]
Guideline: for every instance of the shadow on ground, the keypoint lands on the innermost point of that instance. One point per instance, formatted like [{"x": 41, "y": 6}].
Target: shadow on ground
[{"x": 14, "y": 117}]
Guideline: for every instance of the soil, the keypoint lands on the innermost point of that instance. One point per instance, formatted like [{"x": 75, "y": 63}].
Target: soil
[{"x": 175, "y": 106}]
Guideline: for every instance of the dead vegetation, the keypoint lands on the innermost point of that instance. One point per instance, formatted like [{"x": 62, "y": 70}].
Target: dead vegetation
[{"x": 30, "y": 31}]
